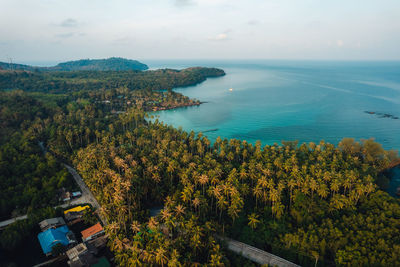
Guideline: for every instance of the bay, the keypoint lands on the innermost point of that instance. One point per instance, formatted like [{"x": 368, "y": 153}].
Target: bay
[{"x": 307, "y": 101}]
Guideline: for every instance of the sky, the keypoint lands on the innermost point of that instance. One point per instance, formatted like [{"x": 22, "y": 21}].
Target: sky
[{"x": 59, "y": 30}]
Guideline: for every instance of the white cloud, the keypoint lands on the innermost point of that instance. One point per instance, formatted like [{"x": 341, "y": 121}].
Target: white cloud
[
  {"x": 54, "y": 29},
  {"x": 219, "y": 37},
  {"x": 69, "y": 23},
  {"x": 65, "y": 35},
  {"x": 253, "y": 22},
  {"x": 183, "y": 3}
]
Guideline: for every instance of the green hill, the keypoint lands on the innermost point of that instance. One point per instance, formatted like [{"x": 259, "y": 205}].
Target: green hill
[{"x": 113, "y": 63}]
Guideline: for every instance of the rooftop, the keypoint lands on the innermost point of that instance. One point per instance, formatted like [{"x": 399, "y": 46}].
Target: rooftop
[
  {"x": 91, "y": 230},
  {"x": 75, "y": 251},
  {"x": 47, "y": 223},
  {"x": 51, "y": 237},
  {"x": 77, "y": 209}
]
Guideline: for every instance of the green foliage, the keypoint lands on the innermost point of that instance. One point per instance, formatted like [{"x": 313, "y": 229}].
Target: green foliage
[
  {"x": 63, "y": 82},
  {"x": 15, "y": 234},
  {"x": 57, "y": 249},
  {"x": 280, "y": 198},
  {"x": 114, "y": 63},
  {"x": 89, "y": 217},
  {"x": 27, "y": 178},
  {"x": 314, "y": 204}
]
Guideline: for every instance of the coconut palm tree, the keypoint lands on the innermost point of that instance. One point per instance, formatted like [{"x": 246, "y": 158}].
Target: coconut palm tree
[
  {"x": 322, "y": 191},
  {"x": 253, "y": 220},
  {"x": 179, "y": 210},
  {"x": 161, "y": 256},
  {"x": 135, "y": 226},
  {"x": 203, "y": 180}
]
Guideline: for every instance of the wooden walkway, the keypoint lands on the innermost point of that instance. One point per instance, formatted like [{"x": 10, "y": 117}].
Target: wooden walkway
[{"x": 257, "y": 255}]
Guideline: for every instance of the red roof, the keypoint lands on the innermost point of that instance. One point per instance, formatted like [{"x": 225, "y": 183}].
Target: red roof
[{"x": 91, "y": 230}]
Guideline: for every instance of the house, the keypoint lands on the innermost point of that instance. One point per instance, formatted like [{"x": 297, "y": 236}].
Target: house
[
  {"x": 51, "y": 223},
  {"x": 80, "y": 256},
  {"x": 65, "y": 196},
  {"x": 92, "y": 232},
  {"x": 99, "y": 242},
  {"x": 75, "y": 213},
  {"x": 76, "y": 194},
  {"x": 49, "y": 238}
]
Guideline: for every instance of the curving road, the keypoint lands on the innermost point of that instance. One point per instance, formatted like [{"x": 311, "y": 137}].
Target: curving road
[{"x": 87, "y": 196}]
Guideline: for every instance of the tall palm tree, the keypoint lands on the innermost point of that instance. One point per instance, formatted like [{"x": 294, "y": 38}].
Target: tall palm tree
[
  {"x": 196, "y": 203},
  {"x": 135, "y": 226},
  {"x": 161, "y": 256},
  {"x": 165, "y": 214},
  {"x": 291, "y": 184},
  {"x": 203, "y": 180},
  {"x": 313, "y": 187},
  {"x": 179, "y": 210},
  {"x": 322, "y": 191},
  {"x": 253, "y": 220}
]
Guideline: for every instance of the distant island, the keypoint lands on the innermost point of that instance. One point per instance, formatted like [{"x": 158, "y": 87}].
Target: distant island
[
  {"x": 118, "y": 90},
  {"x": 109, "y": 64}
]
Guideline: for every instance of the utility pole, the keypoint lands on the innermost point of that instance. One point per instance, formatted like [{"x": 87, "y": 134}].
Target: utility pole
[
  {"x": 12, "y": 72},
  {"x": 10, "y": 63}
]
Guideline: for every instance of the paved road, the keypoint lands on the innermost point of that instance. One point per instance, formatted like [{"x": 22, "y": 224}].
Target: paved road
[
  {"x": 87, "y": 196},
  {"x": 3, "y": 224},
  {"x": 257, "y": 255},
  {"x": 76, "y": 201}
]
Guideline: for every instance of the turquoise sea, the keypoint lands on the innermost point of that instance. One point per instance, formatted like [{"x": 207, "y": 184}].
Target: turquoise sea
[
  {"x": 307, "y": 101},
  {"x": 293, "y": 100}
]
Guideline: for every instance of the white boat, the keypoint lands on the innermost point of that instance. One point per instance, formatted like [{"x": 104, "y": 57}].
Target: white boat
[{"x": 230, "y": 89}]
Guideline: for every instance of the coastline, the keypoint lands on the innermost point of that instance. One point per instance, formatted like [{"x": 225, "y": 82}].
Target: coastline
[{"x": 154, "y": 109}]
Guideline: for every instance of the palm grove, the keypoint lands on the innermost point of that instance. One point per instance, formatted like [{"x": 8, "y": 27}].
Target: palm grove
[{"x": 309, "y": 203}]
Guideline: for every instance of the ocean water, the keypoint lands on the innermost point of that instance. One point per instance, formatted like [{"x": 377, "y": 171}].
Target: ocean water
[{"x": 307, "y": 101}]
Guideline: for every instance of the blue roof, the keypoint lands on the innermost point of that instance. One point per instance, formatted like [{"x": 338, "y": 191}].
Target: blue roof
[
  {"x": 51, "y": 237},
  {"x": 75, "y": 194}
]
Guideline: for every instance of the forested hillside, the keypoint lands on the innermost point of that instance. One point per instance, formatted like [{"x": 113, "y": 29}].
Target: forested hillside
[
  {"x": 29, "y": 180},
  {"x": 75, "y": 81},
  {"x": 114, "y": 63}
]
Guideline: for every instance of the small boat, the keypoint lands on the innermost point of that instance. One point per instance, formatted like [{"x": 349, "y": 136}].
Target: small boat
[
  {"x": 398, "y": 191},
  {"x": 230, "y": 89}
]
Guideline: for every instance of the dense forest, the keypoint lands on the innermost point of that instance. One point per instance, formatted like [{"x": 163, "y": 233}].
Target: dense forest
[
  {"x": 75, "y": 81},
  {"x": 28, "y": 178},
  {"x": 313, "y": 204},
  {"x": 113, "y": 63}
]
